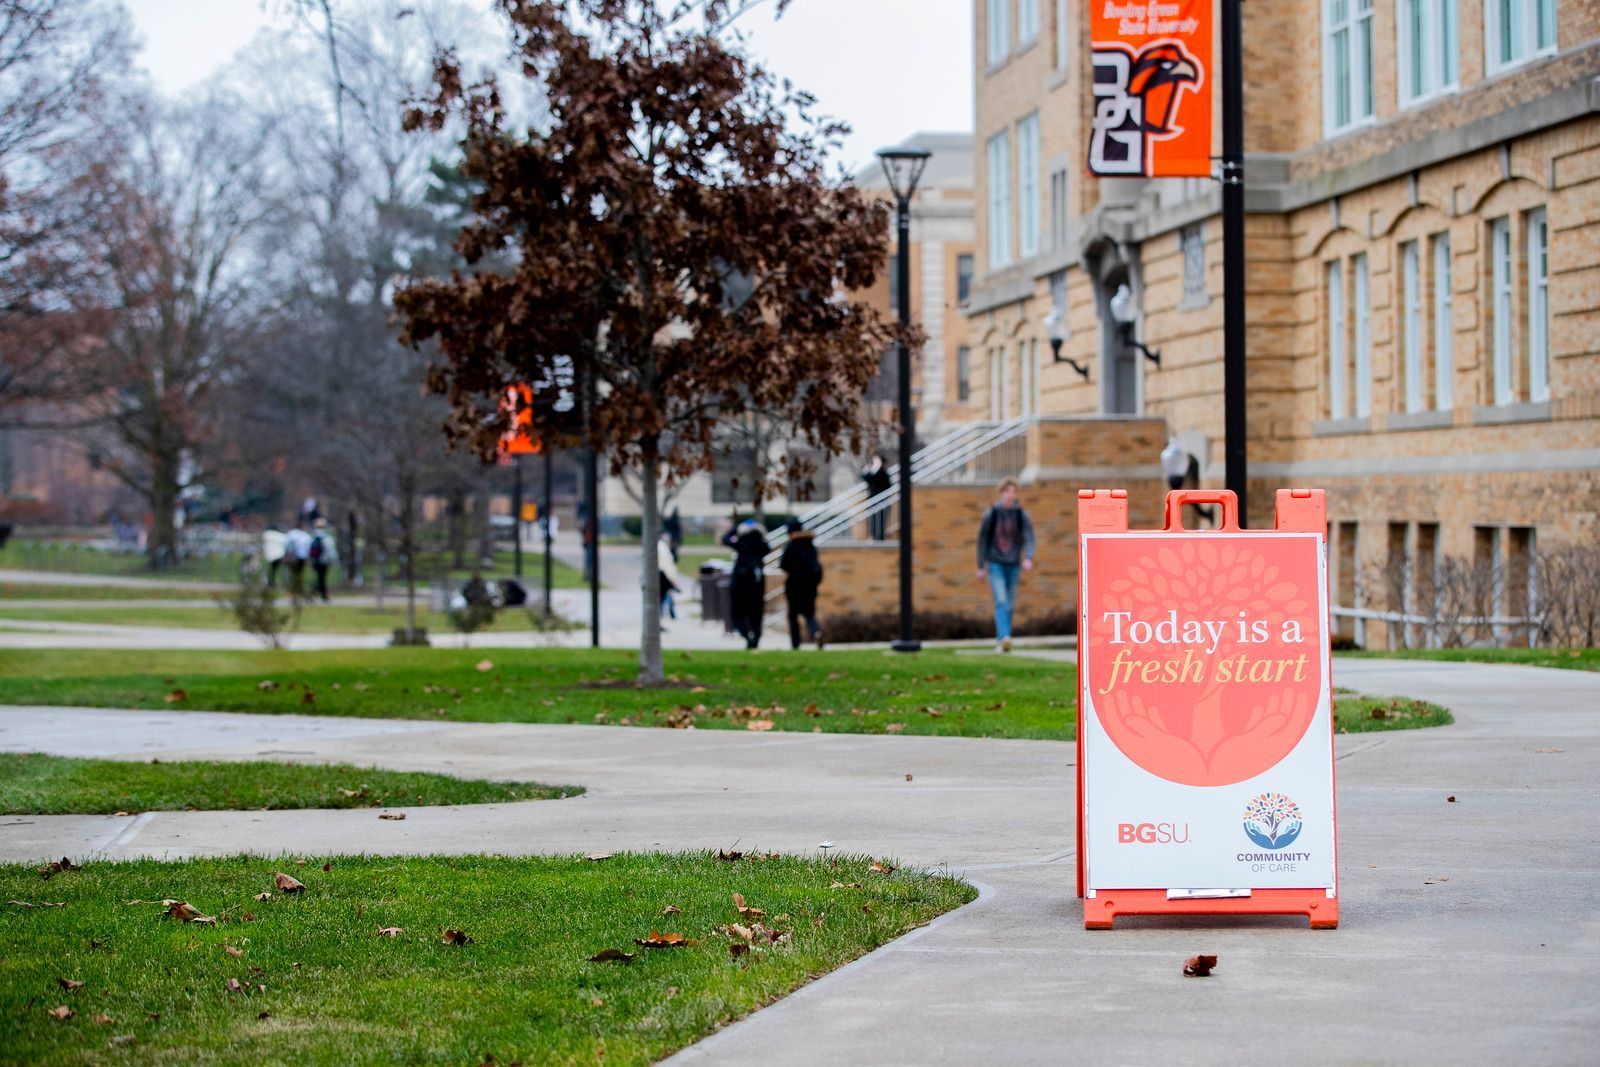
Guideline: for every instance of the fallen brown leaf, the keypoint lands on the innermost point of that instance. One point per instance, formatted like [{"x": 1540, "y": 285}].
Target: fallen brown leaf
[
  {"x": 391, "y": 931},
  {"x": 233, "y": 951},
  {"x": 737, "y": 948},
  {"x": 326, "y": 867},
  {"x": 61, "y": 1012},
  {"x": 69, "y": 984},
  {"x": 657, "y": 939},
  {"x": 908, "y": 778},
  {"x": 455, "y": 937},
  {"x": 176, "y": 696},
  {"x": 670, "y": 909},
  {"x": 741, "y": 931},
  {"x": 485, "y": 666},
  {"x": 234, "y": 986},
  {"x": 103, "y": 1020},
  {"x": 612, "y": 955},
  {"x": 867, "y": 908},
  {"x": 729, "y": 856},
  {"x": 287, "y": 884},
  {"x": 263, "y": 1015},
  {"x": 1198, "y": 966},
  {"x": 263, "y": 896},
  {"x": 393, "y": 816},
  {"x": 819, "y": 920},
  {"x": 1450, "y": 799},
  {"x": 845, "y": 885},
  {"x": 54, "y": 868},
  {"x": 747, "y": 912},
  {"x": 188, "y": 913},
  {"x": 596, "y": 857},
  {"x": 881, "y": 868},
  {"x": 758, "y": 724},
  {"x": 267, "y": 686},
  {"x": 894, "y": 727}
]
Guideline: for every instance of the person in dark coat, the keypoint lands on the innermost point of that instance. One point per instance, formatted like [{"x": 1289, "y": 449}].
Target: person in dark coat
[
  {"x": 749, "y": 590},
  {"x": 672, "y": 527},
  {"x": 876, "y": 476},
  {"x": 802, "y": 574}
]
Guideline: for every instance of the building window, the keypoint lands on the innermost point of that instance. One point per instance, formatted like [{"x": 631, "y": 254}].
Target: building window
[
  {"x": 1517, "y": 30},
  {"x": 1061, "y": 34},
  {"x": 1538, "y": 306},
  {"x": 1443, "y": 323},
  {"x": 1411, "y": 333},
  {"x": 1347, "y": 71},
  {"x": 964, "y": 278},
  {"x": 963, "y": 374},
  {"x": 998, "y": 26},
  {"x": 1336, "y": 393},
  {"x": 1500, "y": 283},
  {"x": 1427, "y": 48},
  {"x": 1027, "y": 21},
  {"x": 1363, "y": 352},
  {"x": 1028, "y": 186},
  {"x": 1058, "y": 208},
  {"x": 999, "y": 200},
  {"x": 1192, "y": 242},
  {"x": 734, "y": 474}
]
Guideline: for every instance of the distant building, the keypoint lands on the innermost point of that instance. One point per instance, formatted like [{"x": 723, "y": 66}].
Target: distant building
[{"x": 1423, "y": 278}]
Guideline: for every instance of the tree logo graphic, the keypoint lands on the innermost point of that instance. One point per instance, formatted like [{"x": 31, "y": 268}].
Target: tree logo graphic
[{"x": 1272, "y": 820}]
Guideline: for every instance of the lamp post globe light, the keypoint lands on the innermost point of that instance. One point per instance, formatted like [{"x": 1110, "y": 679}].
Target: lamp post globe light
[
  {"x": 1122, "y": 311},
  {"x": 1174, "y": 464},
  {"x": 1055, "y": 328},
  {"x": 903, "y": 168}
]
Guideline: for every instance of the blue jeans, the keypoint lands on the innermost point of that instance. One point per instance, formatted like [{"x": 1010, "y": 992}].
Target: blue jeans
[{"x": 1003, "y": 583}]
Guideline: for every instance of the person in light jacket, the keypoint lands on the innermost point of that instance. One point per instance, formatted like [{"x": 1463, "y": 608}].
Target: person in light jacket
[
  {"x": 1005, "y": 550},
  {"x": 670, "y": 580},
  {"x": 273, "y": 545}
]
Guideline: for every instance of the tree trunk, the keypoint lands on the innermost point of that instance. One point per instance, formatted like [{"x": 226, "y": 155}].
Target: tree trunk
[
  {"x": 458, "y": 532},
  {"x": 408, "y": 549},
  {"x": 163, "y": 544},
  {"x": 485, "y": 528},
  {"x": 650, "y": 670}
]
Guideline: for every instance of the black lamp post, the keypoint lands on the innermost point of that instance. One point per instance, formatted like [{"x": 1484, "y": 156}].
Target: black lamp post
[
  {"x": 903, "y": 167},
  {"x": 1056, "y": 330}
]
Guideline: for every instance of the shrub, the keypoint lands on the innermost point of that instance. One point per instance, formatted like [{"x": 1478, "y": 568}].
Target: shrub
[
  {"x": 263, "y": 611},
  {"x": 851, "y": 627}
]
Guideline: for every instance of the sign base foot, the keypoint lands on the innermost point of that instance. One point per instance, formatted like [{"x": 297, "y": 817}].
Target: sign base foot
[{"x": 1100, "y": 911}]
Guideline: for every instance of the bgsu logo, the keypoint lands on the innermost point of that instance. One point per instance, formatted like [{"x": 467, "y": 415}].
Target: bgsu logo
[
  {"x": 1152, "y": 833},
  {"x": 1136, "y": 102}
]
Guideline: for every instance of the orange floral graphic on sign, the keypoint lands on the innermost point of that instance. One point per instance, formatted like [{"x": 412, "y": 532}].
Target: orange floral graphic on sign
[{"x": 1203, "y": 659}]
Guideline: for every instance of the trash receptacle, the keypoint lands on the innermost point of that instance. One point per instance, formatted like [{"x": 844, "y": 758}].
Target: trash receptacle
[{"x": 716, "y": 593}]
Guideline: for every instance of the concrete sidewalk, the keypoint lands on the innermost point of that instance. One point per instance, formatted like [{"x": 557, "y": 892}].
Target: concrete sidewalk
[{"x": 1468, "y": 929}]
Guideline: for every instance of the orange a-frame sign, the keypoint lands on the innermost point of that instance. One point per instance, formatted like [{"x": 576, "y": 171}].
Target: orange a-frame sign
[{"x": 1205, "y": 713}]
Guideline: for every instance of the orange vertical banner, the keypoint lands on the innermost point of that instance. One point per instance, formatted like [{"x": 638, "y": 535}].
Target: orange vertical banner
[
  {"x": 520, "y": 441},
  {"x": 1152, "y": 88}
]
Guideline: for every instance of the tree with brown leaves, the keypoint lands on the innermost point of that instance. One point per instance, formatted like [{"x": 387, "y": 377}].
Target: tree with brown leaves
[{"x": 670, "y": 165}]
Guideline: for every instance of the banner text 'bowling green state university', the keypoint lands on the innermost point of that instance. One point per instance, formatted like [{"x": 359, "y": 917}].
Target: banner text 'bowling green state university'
[{"x": 1152, "y": 88}]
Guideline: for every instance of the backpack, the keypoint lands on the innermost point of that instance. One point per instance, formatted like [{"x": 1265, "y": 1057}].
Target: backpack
[{"x": 316, "y": 548}]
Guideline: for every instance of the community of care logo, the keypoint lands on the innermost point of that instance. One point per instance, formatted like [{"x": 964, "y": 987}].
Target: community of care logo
[{"x": 1272, "y": 820}]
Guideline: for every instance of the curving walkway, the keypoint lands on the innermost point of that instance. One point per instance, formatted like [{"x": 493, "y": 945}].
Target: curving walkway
[{"x": 1468, "y": 928}]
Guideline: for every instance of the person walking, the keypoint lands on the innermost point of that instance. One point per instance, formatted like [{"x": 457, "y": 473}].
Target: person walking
[
  {"x": 296, "y": 550},
  {"x": 668, "y": 566},
  {"x": 749, "y": 590},
  {"x": 876, "y": 476},
  {"x": 802, "y": 575},
  {"x": 672, "y": 527},
  {"x": 273, "y": 545},
  {"x": 1005, "y": 550},
  {"x": 322, "y": 553}
]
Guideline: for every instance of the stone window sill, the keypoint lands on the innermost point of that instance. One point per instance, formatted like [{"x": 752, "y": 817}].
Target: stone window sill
[
  {"x": 1499, "y": 414},
  {"x": 1340, "y": 427},
  {"x": 1418, "y": 420}
]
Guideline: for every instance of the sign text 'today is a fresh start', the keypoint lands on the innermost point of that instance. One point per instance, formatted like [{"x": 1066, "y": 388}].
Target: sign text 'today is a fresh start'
[{"x": 1201, "y": 638}]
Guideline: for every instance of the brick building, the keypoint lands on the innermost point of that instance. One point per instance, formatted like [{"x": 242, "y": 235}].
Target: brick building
[{"x": 1423, "y": 280}]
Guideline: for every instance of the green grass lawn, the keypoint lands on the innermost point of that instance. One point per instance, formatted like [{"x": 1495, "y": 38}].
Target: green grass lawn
[
  {"x": 932, "y": 692},
  {"x": 1575, "y": 659},
  {"x": 316, "y": 618},
  {"x": 70, "y": 557},
  {"x": 309, "y": 978},
  {"x": 10, "y": 591},
  {"x": 34, "y": 784}
]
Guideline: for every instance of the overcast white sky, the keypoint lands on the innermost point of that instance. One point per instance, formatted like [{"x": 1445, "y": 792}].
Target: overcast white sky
[{"x": 888, "y": 67}]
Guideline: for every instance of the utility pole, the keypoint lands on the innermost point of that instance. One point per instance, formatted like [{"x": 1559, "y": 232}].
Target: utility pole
[
  {"x": 1236, "y": 472},
  {"x": 516, "y": 515},
  {"x": 544, "y": 512}
]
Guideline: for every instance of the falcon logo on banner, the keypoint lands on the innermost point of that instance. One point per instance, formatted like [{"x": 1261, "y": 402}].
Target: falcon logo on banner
[{"x": 1152, "y": 107}]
